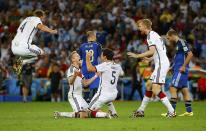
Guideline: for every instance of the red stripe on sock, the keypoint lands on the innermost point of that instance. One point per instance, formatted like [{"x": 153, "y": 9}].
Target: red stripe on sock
[
  {"x": 161, "y": 95},
  {"x": 148, "y": 94},
  {"x": 93, "y": 114}
]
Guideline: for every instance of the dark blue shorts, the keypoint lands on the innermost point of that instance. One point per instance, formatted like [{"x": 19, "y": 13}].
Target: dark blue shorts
[{"x": 180, "y": 80}]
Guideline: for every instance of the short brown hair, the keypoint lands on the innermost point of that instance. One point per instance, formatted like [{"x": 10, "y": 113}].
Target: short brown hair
[
  {"x": 172, "y": 32},
  {"x": 71, "y": 55},
  {"x": 39, "y": 13},
  {"x": 146, "y": 22}
]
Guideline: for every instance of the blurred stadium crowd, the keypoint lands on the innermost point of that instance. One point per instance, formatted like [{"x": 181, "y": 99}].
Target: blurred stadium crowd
[{"x": 114, "y": 21}]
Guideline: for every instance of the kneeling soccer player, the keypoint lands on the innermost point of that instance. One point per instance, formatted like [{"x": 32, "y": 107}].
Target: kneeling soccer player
[
  {"x": 79, "y": 105},
  {"x": 110, "y": 72}
]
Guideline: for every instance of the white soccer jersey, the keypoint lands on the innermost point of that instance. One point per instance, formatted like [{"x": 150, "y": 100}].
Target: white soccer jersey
[
  {"x": 110, "y": 73},
  {"x": 76, "y": 87},
  {"x": 27, "y": 30},
  {"x": 160, "y": 56}
]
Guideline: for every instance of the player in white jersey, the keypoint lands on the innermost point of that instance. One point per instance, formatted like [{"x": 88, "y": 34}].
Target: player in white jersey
[
  {"x": 76, "y": 83},
  {"x": 22, "y": 42},
  {"x": 110, "y": 72},
  {"x": 158, "y": 52}
]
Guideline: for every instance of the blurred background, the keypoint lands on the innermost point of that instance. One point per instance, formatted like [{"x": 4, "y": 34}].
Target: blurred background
[{"x": 115, "y": 23}]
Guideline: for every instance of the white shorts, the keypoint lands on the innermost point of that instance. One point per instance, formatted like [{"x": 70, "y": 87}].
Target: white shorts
[
  {"x": 159, "y": 74},
  {"x": 25, "y": 50},
  {"x": 77, "y": 102},
  {"x": 99, "y": 100}
]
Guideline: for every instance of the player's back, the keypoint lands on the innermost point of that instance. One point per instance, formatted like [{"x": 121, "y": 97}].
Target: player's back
[
  {"x": 182, "y": 49},
  {"x": 109, "y": 77},
  {"x": 76, "y": 87},
  {"x": 160, "y": 56},
  {"x": 95, "y": 50},
  {"x": 26, "y": 30}
]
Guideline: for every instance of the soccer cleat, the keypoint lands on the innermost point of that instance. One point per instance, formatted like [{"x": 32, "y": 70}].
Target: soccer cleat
[
  {"x": 171, "y": 115},
  {"x": 108, "y": 116},
  {"x": 164, "y": 114},
  {"x": 137, "y": 114},
  {"x": 187, "y": 114},
  {"x": 56, "y": 114},
  {"x": 113, "y": 115},
  {"x": 18, "y": 66}
]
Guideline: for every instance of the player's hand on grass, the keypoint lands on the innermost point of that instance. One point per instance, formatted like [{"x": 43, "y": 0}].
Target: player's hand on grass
[
  {"x": 182, "y": 69},
  {"x": 133, "y": 55}
]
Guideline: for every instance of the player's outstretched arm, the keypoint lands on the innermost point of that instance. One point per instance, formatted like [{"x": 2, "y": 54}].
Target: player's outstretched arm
[
  {"x": 46, "y": 29},
  {"x": 87, "y": 82},
  {"x": 150, "y": 52},
  {"x": 90, "y": 67}
]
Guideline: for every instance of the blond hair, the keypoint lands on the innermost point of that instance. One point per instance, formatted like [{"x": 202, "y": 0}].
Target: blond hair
[{"x": 145, "y": 22}]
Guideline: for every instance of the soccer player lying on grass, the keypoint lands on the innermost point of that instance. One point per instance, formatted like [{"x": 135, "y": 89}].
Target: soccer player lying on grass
[
  {"x": 180, "y": 70},
  {"x": 110, "y": 72},
  {"x": 76, "y": 82},
  {"x": 157, "y": 50}
]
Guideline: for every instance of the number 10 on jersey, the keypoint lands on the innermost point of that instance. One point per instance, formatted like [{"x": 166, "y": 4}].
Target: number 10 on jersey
[{"x": 92, "y": 57}]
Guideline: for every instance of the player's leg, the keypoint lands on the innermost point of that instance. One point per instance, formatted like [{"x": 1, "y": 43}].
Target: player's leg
[
  {"x": 173, "y": 99},
  {"x": 157, "y": 90},
  {"x": 73, "y": 103},
  {"x": 188, "y": 102},
  {"x": 146, "y": 99},
  {"x": 112, "y": 109},
  {"x": 58, "y": 114},
  {"x": 68, "y": 114},
  {"x": 96, "y": 104}
]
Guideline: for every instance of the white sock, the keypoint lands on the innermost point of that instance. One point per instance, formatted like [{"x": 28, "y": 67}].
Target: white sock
[
  {"x": 58, "y": 99},
  {"x": 101, "y": 115},
  {"x": 67, "y": 114},
  {"x": 24, "y": 98},
  {"x": 25, "y": 61},
  {"x": 111, "y": 108},
  {"x": 52, "y": 100},
  {"x": 144, "y": 103},
  {"x": 167, "y": 103}
]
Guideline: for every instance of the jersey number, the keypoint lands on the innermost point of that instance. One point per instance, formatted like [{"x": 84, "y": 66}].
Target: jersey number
[
  {"x": 114, "y": 78},
  {"x": 22, "y": 27},
  {"x": 92, "y": 57}
]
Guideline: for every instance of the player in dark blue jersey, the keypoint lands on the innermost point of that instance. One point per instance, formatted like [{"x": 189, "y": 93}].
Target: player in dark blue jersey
[
  {"x": 90, "y": 46},
  {"x": 180, "y": 70}
]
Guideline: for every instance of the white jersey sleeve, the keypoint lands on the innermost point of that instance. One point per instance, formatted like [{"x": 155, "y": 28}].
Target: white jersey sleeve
[
  {"x": 102, "y": 67},
  {"x": 70, "y": 72},
  {"x": 36, "y": 21},
  {"x": 121, "y": 71},
  {"x": 151, "y": 40}
]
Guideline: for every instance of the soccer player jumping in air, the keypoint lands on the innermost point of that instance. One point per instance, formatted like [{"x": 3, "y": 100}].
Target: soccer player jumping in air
[
  {"x": 157, "y": 50},
  {"x": 22, "y": 42},
  {"x": 180, "y": 70}
]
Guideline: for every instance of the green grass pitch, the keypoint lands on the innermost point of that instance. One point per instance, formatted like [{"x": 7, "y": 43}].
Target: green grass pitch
[{"x": 38, "y": 116}]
